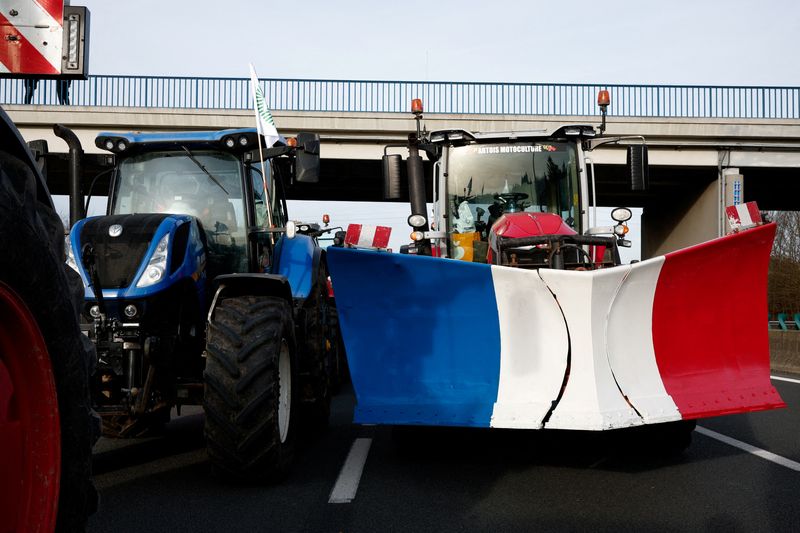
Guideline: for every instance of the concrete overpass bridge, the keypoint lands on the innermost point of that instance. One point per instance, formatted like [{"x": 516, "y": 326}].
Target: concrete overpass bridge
[{"x": 698, "y": 136}]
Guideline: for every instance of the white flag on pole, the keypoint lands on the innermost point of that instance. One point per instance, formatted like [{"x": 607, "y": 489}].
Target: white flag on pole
[{"x": 264, "y": 120}]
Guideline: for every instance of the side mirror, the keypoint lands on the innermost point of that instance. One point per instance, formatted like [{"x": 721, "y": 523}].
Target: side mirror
[
  {"x": 637, "y": 167},
  {"x": 391, "y": 176},
  {"x": 39, "y": 152},
  {"x": 307, "y": 158}
]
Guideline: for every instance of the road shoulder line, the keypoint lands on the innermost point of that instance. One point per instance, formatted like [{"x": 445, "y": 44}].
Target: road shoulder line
[
  {"x": 790, "y": 380},
  {"x": 749, "y": 448}
]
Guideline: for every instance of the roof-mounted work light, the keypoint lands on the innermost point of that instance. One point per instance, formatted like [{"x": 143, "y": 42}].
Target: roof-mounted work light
[
  {"x": 416, "y": 109},
  {"x": 603, "y": 100}
]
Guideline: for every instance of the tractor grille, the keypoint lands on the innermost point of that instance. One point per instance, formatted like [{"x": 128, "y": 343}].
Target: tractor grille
[{"x": 118, "y": 258}]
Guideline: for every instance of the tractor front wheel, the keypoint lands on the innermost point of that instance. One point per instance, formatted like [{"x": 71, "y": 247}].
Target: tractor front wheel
[{"x": 249, "y": 392}]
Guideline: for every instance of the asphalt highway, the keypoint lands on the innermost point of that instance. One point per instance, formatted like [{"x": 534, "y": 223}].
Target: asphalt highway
[{"x": 741, "y": 474}]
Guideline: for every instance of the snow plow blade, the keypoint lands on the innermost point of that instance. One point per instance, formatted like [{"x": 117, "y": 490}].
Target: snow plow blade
[{"x": 440, "y": 342}]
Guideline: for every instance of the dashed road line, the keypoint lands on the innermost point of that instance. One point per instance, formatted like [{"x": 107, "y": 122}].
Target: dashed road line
[
  {"x": 790, "y": 380},
  {"x": 344, "y": 491},
  {"x": 749, "y": 448}
]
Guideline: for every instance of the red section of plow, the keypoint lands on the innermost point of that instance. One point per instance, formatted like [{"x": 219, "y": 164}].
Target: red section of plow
[{"x": 709, "y": 332}]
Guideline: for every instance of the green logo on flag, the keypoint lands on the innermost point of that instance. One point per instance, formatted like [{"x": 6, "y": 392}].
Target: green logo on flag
[{"x": 261, "y": 107}]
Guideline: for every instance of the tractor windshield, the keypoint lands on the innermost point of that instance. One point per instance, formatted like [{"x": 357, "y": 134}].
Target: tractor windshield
[
  {"x": 204, "y": 184},
  {"x": 487, "y": 180}
]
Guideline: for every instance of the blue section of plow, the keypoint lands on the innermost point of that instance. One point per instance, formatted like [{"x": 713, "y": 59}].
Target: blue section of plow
[{"x": 422, "y": 337}]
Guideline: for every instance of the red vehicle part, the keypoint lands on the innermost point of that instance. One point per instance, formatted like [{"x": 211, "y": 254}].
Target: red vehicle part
[
  {"x": 530, "y": 225},
  {"x": 514, "y": 225},
  {"x": 30, "y": 440},
  {"x": 711, "y": 360}
]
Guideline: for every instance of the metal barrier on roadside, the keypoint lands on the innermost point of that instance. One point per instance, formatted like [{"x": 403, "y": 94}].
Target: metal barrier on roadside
[{"x": 440, "y": 97}]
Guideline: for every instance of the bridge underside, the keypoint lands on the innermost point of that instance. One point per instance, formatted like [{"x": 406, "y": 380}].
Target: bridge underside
[
  {"x": 359, "y": 180},
  {"x": 681, "y": 207}
]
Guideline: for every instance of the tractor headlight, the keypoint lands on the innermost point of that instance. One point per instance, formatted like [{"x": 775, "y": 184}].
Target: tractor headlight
[
  {"x": 70, "y": 255},
  {"x": 621, "y": 214},
  {"x": 157, "y": 266},
  {"x": 130, "y": 311},
  {"x": 417, "y": 221}
]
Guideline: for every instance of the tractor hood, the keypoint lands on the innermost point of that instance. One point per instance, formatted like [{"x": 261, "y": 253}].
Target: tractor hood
[
  {"x": 530, "y": 225},
  {"x": 124, "y": 246}
]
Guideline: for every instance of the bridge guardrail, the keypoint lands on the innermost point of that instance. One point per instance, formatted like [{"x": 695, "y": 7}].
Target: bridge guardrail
[{"x": 688, "y": 101}]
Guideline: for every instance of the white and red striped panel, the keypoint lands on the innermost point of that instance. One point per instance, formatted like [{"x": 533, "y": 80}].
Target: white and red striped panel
[
  {"x": 743, "y": 216},
  {"x": 31, "y": 39},
  {"x": 363, "y": 236},
  {"x": 680, "y": 336}
]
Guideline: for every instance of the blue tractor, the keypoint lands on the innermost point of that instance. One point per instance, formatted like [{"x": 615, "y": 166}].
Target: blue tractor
[{"x": 200, "y": 291}]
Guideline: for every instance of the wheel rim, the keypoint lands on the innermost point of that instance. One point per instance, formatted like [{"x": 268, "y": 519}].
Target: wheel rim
[
  {"x": 30, "y": 447},
  {"x": 284, "y": 390}
]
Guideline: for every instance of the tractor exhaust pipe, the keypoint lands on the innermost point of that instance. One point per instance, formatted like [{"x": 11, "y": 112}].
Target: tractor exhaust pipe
[
  {"x": 416, "y": 184},
  {"x": 76, "y": 211}
]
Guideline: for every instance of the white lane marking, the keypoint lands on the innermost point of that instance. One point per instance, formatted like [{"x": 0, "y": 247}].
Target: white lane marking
[
  {"x": 786, "y": 379},
  {"x": 344, "y": 491},
  {"x": 764, "y": 454}
]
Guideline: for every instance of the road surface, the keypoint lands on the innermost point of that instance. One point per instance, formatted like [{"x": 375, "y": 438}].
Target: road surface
[{"x": 742, "y": 473}]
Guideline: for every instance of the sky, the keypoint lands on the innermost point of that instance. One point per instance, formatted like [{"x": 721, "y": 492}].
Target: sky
[{"x": 712, "y": 42}]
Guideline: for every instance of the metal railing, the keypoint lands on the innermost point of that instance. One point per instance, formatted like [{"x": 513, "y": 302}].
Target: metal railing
[{"x": 439, "y": 97}]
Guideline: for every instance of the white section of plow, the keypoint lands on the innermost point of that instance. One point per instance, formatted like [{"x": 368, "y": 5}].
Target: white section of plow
[
  {"x": 533, "y": 349},
  {"x": 603, "y": 319},
  {"x": 591, "y": 400},
  {"x": 614, "y": 380},
  {"x": 629, "y": 344}
]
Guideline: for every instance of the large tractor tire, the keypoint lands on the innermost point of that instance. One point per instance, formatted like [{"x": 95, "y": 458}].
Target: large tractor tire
[
  {"x": 249, "y": 388},
  {"x": 42, "y": 296}
]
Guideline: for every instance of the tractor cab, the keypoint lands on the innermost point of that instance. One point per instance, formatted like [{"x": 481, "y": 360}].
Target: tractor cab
[
  {"x": 512, "y": 198},
  {"x": 219, "y": 178},
  {"x": 493, "y": 186}
]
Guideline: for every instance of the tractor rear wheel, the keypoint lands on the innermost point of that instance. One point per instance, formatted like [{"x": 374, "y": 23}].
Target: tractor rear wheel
[
  {"x": 33, "y": 267},
  {"x": 249, "y": 393},
  {"x": 29, "y": 429}
]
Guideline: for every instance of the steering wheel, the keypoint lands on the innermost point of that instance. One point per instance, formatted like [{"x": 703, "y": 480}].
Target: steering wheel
[{"x": 511, "y": 201}]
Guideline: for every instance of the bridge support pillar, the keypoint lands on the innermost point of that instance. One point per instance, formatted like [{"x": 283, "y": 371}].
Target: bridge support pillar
[{"x": 688, "y": 217}]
